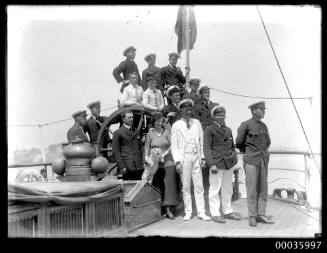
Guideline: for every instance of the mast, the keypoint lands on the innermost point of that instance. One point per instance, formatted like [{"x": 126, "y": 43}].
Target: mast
[{"x": 187, "y": 30}]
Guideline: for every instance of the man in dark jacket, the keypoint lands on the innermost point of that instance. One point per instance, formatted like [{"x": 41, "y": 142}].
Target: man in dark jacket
[
  {"x": 202, "y": 107},
  {"x": 218, "y": 143},
  {"x": 76, "y": 132},
  {"x": 126, "y": 67},
  {"x": 127, "y": 149},
  {"x": 253, "y": 140},
  {"x": 171, "y": 111},
  {"x": 172, "y": 75},
  {"x": 94, "y": 123},
  {"x": 152, "y": 71},
  {"x": 193, "y": 94}
]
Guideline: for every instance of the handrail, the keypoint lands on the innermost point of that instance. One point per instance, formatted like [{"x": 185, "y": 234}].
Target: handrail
[{"x": 28, "y": 165}]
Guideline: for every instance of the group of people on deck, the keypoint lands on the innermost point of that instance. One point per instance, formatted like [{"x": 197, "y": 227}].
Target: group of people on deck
[{"x": 197, "y": 148}]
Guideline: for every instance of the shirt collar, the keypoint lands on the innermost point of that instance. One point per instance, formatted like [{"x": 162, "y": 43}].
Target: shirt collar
[
  {"x": 172, "y": 66},
  {"x": 128, "y": 127}
]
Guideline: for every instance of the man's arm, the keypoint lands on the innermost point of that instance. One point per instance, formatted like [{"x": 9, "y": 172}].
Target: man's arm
[
  {"x": 117, "y": 72},
  {"x": 241, "y": 137},
  {"x": 174, "y": 144},
  {"x": 180, "y": 76},
  {"x": 207, "y": 146},
  {"x": 116, "y": 150}
]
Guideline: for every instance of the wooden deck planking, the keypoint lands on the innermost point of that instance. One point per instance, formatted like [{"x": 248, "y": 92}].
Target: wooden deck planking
[{"x": 290, "y": 222}]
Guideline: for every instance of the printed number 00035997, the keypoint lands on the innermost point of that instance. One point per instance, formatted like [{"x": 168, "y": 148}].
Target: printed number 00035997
[{"x": 297, "y": 244}]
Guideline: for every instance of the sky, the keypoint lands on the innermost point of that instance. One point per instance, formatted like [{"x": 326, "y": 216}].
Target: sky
[{"x": 60, "y": 58}]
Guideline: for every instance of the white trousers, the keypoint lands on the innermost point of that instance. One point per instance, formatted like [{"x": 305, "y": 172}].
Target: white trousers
[
  {"x": 191, "y": 170},
  {"x": 221, "y": 180}
]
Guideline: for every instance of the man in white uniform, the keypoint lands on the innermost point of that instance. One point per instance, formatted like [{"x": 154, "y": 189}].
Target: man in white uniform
[{"x": 187, "y": 151}]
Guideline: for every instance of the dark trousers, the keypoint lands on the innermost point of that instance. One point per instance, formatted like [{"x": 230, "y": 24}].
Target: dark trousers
[
  {"x": 133, "y": 175},
  {"x": 256, "y": 188},
  {"x": 165, "y": 181}
]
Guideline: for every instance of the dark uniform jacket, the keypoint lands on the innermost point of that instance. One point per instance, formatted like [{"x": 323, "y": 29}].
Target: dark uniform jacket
[
  {"x": 127, "y": 149},
  {"x": 191, "y": 95},
  {"x": 217, "y": 143},
  {"x": 155, "y": 72},
  {"x": 171, "y": 108},
  {"x": 253, "y": 140},
  {"x": 173, "y": 76},
  {"x": 202, "y": 112},
  {"x": 76, "y": 133},
  {"x": 92, "y": 128},
  {"x": 125, "y": 67}
]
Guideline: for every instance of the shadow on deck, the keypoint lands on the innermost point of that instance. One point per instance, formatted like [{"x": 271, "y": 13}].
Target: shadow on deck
[{"x": 290, "y": 221}]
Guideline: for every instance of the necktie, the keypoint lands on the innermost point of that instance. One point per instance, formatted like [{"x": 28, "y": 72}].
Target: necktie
[{"x": 188, "y": 123}]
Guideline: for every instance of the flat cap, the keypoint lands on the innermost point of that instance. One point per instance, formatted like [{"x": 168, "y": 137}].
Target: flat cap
[
  {"x": 195, "y": 80},
  {"x": 90, "y": 105},
  {"x": 128, "y": 49},
  {"x": 147, "y": 57},
  {"x": 79, "y": 113},
  {"x": 186, "y": 102},
  {"x": 217, "y": 108},
  {"x": 171, "y": 89},
  {"x": 203, "y": 88},
  {"x": 261, "y": 104},
  {"x": 171, "y": 55}
]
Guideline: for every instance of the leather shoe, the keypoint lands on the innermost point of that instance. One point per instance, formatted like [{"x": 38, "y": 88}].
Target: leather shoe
[
  {"x": 218, "y": 219},
  {"x": 169, "y": 213},
  {"x": 264, "y": 219},
  {"x": 232, "y": 216},
  {"x": 253, "y": 221}
]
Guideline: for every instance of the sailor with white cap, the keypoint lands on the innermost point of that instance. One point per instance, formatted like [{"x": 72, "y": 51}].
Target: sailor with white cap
[
  {"x": 253, "y": 140},
  {"x": 126, "y": 67},
  {"x": 218, "y": 145},
  {"x": 76, "y": 132},
  {"x": 171, "y": 111},
  {"x": 187, "y": 151},
  {"x": 194, "y": 85}
]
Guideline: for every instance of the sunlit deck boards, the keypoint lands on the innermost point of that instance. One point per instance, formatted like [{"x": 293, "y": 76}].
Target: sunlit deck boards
[{"x": 289, "y": 222}]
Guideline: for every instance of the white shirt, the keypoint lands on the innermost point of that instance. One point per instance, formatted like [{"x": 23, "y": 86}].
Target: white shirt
[
  {"x": 131, "y": 95},
  {"x": 149, "y": 97}
]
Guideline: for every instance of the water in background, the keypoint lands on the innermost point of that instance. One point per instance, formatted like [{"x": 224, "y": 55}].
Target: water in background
[{"x": 289, "y": 179}]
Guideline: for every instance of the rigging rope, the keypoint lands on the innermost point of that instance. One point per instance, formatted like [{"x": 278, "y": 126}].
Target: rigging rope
[
  {"x": 280, "y": 69},
  {"x": 246, "y": 96},
  {"x": 59, "y": 121}
]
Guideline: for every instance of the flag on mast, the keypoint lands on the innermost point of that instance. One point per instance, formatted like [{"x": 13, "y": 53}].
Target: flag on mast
[{"x": 180, "y": 27}]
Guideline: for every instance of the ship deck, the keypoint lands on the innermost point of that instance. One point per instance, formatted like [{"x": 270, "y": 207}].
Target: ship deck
[{"x": 290, "y": 221}]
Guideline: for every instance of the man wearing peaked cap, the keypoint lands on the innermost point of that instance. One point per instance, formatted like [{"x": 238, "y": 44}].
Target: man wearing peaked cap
[
  {"x": 171, "y": 111},
  {"x": 173, "y": 75},
  {"x": 194, "y": 85},
  {"x": 218, "y": 144},
  {"x": 186, "y": 103},
  {"x": 261, "y": 104},
  {"x": 94, "y": 123},
  {"x": 152, "y": 71},
  {"x": 187, "y": 151},
  {"x": 253, "y": 140},
  {"x": 76, "y": 132},
  {"x": 125, "y": 68}
]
